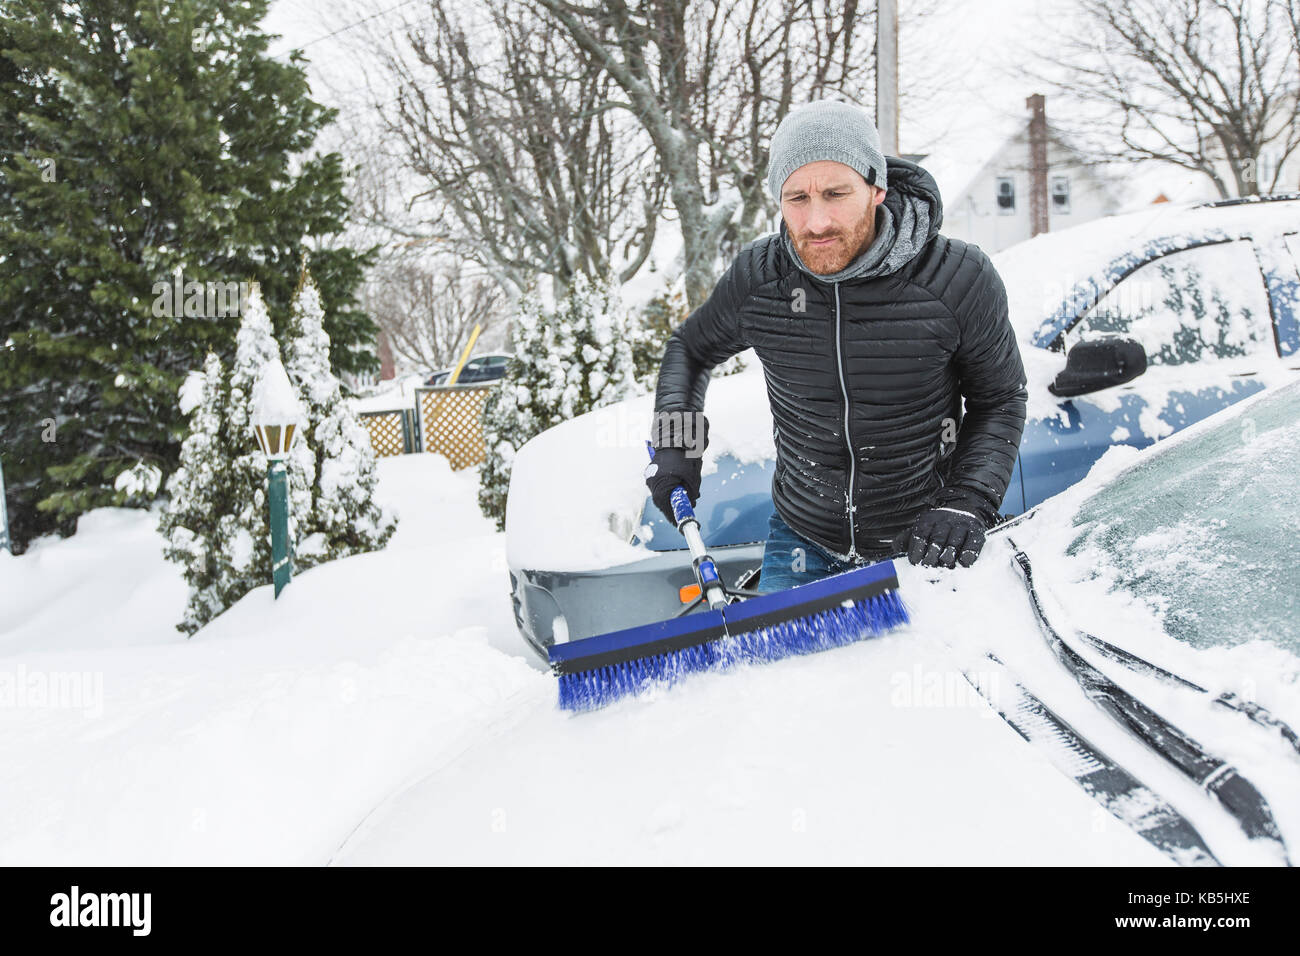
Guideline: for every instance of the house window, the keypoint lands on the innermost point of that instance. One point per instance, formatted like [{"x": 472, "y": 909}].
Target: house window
[
  {"x": 1006, "y": 196},
  {"x": 1266, "y": 169},
  {"x": 1061, "y": 194}
]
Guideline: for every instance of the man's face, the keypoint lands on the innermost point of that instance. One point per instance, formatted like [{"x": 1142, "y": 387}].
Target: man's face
[{"x": 831, "y": 214}]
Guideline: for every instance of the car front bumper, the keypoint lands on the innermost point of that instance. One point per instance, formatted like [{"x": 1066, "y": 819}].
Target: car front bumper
[{"x": 555, "y": 606}]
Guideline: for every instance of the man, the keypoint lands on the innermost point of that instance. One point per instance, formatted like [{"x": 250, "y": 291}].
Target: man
[{"x": 871, "y": 328}]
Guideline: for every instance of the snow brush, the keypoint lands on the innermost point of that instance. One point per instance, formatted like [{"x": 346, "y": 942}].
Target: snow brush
[{"x": 737, "y": 628}]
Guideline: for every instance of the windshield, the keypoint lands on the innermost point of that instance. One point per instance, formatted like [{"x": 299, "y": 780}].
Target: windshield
[
  {"x": 734, "y": 507},
  {"x": 1207, "y": 532}
]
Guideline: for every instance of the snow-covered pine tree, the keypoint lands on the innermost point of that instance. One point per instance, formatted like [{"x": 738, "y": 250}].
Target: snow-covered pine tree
[
  {"x": 657, "y": 319},
  {"x": 344, "y": 517},
  {"x": 216, "y": 522},
  {"x": 567, "y": 361},
  {"x": 246, "y": 533},
  {"x": 194, "y": 490}
]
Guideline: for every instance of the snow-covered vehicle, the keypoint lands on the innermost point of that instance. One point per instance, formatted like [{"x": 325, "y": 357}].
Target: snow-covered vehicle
[
  {"x": 1131, "y": 328},
  {"x": 1167, "y": 578},
  {"x": 1163, "y": 317}
]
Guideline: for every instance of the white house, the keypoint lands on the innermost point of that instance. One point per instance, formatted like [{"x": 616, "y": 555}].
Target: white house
[
  {"x": 986, "y": 193},
  {"x": 985, "y": 185}
]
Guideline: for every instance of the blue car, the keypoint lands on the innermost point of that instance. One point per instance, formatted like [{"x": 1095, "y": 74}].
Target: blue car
[
  {"x": 1159, "y": 333},
  {"x": 1131, "y": 328}
]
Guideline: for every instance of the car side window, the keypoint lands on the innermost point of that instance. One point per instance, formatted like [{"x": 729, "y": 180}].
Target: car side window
[{"x": 1191, "y": 306}]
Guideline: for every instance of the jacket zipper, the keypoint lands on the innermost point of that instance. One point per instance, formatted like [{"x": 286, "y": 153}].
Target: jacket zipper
[{"x": 848, "y": 441}]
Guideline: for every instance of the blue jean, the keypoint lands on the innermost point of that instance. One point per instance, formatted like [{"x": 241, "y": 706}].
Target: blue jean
[{"x": 789, "y": 560}]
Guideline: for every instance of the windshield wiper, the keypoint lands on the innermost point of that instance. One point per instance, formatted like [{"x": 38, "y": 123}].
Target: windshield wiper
[{"x": 1216, "y": 776}]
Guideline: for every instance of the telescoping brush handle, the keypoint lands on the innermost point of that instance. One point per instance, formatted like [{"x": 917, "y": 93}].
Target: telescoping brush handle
[{"x": 706, "y": 572}]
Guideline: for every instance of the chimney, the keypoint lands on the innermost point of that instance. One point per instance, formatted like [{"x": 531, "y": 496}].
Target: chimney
[
  {"x": 387, "y": 370},
  {"x": 1037, "y": 164}
]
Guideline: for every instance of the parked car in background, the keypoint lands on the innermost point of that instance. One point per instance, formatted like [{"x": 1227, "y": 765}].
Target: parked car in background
[
  {"x": 482, "y": 368},
  {"x": 1131, "y": 328}
]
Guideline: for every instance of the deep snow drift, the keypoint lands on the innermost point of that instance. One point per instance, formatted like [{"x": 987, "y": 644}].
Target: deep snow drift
[{"x": 385, "y": 711}]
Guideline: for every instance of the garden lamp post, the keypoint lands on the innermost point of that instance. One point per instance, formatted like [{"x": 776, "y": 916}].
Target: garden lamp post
[{"x": 277, "y": 419}]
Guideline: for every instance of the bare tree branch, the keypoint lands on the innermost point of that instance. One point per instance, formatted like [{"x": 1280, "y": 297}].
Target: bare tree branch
[{"x": 1208, "y": 85}]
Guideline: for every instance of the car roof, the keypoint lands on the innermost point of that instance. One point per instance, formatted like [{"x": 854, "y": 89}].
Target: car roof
[{"x": 1051, "y": 277}]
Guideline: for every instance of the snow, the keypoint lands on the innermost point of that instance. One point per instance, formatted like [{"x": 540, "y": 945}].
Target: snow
[
  {"x": 266, "y": 736},
  {"x": 820, "y": 760},
  {"x": 384, "y": 710},
  {"x": 191, "y": 391},
  {"x": 240, "y": 547},
  {"x": 600, "y": 514},
  {"x": 399, "y": 393},
  {"x": 140, "y": 479},
  {"x": 1042, "y": 272},
  {"x": 274, "y": 400}
]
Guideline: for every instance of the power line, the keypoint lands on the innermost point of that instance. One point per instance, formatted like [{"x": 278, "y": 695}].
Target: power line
[{"x": 347, "y": 27}]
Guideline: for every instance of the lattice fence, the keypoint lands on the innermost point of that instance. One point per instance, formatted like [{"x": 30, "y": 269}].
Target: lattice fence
[
  {"x": 451, "y": 422},
  {"x": 391, "y": 433}
]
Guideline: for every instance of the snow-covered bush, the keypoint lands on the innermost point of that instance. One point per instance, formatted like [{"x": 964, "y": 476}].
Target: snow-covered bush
[
  {"x": 187, "y": 523},
  {"x": 344, "y": 517},
  {"x": 216, "y": 522},
  {"x": 656, "y": 322},
  {"x": 567, "y": 361},
  {"x": 138, "y": 484}
]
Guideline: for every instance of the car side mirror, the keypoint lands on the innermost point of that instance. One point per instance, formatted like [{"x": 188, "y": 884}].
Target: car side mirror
[{"x": 1100, "y": 363}]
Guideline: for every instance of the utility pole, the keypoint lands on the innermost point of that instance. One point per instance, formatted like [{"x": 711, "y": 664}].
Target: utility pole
[
  {"x": 887, "y": 75},
  {"x": 1037, "y": 164}
]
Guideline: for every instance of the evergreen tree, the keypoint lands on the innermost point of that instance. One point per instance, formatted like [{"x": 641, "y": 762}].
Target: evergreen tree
[
  {"x": 344, "y": 517},
  {"x": 567, "y": 361},
  {"x": 193, "y": 505},
  {"x": 255, "y": 346},
  {"x": 138, "y": 139},
  {"x": 658, "y": 318},
  {"x": 216, "y": 521}
]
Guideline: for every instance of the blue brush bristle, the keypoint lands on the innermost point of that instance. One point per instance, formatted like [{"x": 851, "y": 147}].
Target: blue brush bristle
[{"x": 589, "y": 690}]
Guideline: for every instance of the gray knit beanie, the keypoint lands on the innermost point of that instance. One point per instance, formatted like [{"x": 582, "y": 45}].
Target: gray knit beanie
[{"x": 825, "y": 129}]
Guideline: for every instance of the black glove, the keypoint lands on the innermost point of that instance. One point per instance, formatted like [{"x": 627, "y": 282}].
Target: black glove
[
  {"x": 679, "y": 455},
  {"x": 950, "y": 532}
]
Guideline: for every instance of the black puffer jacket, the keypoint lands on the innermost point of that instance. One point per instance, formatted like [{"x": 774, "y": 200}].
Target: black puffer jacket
[{"x": 886, "y": 354}]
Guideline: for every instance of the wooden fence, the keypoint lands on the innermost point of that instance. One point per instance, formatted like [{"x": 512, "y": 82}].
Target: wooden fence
[{"x": 446, "y": 419}]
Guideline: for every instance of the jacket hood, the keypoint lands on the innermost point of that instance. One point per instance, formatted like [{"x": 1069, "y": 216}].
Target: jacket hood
[{"x": 909, "y": 217}]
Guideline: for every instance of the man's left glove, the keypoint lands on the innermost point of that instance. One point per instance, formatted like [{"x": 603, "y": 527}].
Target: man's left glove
[
  {"x": 951, "y": 532},
  {"x": 678, "y": 458}
]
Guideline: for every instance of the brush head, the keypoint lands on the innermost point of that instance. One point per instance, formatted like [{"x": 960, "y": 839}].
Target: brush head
[{"x": 832, "y": 612}]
